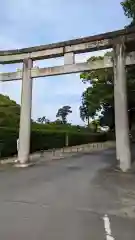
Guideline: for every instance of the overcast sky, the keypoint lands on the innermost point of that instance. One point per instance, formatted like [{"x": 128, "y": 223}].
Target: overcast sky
[{"x": 26, "y": 23}]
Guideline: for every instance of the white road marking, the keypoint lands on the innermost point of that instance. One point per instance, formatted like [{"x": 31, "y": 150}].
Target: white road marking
[{"x": 107, "y": 227}]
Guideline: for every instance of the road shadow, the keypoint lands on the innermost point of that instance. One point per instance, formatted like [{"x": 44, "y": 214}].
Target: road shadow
[{"x": 113, "y": 190}]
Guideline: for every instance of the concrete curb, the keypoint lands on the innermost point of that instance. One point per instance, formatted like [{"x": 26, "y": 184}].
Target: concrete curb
[{"x": 63, "y": 152}]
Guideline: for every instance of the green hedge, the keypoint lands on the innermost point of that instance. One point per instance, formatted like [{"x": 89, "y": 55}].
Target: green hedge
[
  {"x": 45, "y": 139},
  {"x": 8, "y": 139}
]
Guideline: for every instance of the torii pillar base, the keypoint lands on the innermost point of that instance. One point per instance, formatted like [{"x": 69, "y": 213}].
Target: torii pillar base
[{"x": 24, "y": 165}]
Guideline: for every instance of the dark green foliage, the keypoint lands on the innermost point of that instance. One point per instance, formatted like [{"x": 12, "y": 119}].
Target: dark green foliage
[
  {"x": 43, "y": 120},
  {"x": 129, "y": 9},
  {"x": 44, "y": 135},
  {"x": 8, "y": 137},
  {"x": 9, "y": 112},
  {"x": 43, "y": 140},
  {"x": 83, "y": 138},
  {"x": 99, "y": 96},
  {"x": 46, "y": 139},
  {"x": 63, "y": 113}
]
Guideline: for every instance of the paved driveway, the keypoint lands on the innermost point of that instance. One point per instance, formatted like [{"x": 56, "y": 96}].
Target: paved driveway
[{"x": 71, "y": 199}]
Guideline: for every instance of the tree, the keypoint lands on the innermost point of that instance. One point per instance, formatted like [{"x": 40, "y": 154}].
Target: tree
[
  {"x": 98, "y": 97},
  {"x": 84, "y": 109},
  {"x": 84, "y": 115},
  {"x": 57, "y": 122},
  {"x": 95, "y": 125},
  {"x": 129, "y": 9},
  {"x": 9, "y": 112},
  {"x": 43, "y": 120},
  {"x": 100, "y": 94},
  {"x": 63, "y": 113}
]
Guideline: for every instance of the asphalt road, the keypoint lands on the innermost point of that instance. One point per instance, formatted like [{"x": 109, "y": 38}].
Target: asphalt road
[{"x": 72, "y": 199}]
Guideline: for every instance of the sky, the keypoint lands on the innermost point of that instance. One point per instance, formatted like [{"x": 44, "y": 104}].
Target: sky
[{"x": 25, "y": 23}]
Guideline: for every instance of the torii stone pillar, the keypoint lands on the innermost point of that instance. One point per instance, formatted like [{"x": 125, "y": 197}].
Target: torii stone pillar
[
  {"x": 25, "y": 116},
  {"x": 121, "y": 114}
]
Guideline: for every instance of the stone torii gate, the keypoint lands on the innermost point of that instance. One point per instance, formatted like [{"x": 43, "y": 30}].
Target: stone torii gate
[{"x": 123, "y": 44}]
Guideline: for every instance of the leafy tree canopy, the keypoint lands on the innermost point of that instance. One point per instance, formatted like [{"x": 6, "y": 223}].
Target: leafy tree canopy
[
  {"x": 43, "y": 120},
  {"x": 99, "y": 96},
  {"x": 63, "y": 113},
  {"x": 129, "y": 9},
  {"x": 9, "y": 112}
]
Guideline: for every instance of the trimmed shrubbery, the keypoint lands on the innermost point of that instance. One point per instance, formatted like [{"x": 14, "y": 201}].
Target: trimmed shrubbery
[{"x": 46, "y": 139}]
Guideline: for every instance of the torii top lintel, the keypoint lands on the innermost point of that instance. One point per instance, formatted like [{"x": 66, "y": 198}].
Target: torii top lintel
[{"x": 80, "y": 45}]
